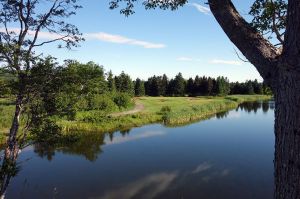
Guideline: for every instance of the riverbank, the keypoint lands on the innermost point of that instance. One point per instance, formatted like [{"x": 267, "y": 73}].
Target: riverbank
[{"x": 170, "y": 111}]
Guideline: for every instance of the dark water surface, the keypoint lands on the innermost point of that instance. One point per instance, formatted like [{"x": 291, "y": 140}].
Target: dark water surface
[{"x": 227, "y": 156}]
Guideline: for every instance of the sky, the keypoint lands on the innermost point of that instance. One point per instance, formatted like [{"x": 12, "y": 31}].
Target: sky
[{"x": 188, "y": 40}]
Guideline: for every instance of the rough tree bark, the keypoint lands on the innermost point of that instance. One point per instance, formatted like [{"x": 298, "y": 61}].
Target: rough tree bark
[{"x": 281, "y": 71}]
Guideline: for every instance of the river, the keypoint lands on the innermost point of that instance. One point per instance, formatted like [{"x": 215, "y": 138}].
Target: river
[{"x": 227, "y": 156}]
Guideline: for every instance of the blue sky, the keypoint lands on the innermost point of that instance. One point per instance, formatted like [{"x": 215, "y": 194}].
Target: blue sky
[{"x": 154, "y": 42}]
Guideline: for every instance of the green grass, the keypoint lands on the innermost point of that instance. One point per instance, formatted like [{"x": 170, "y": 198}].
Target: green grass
[
  {"x": 176, "y": 111},
  {"x": 183, "y": 110},
  {"x": 6, "y": 115}
]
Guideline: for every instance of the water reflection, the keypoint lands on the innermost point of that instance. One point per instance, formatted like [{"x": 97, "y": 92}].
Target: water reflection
[
  {"x": 255, "y": 106},
  {"x": 9, "y": 169},
  {"x": 202, "y": 167},
  {"x": 154, "y": 162},
  {"x": 123, "y": 139},
  {"x": 147, "y": 187},
  {"x": 88, "y": 146}
]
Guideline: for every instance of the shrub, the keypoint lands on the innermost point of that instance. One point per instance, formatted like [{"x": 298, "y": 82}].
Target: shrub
[
  {"x": 46, "y": 131},
  {"x": 82, "y": 104},
  {"x": 103, "y": 103},
  {"x": 91, "y": 116},
  {"x": 122, "y": 100},
  {"x": 165, "y": 109}
]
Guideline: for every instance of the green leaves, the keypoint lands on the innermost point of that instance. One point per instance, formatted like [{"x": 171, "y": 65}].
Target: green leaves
[
  {"x": 128, "y": 5},
  {"x": 269, "y": 17}
]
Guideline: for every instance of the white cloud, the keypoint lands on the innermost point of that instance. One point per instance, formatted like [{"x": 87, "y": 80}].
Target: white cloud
[
  {"x": 202, "y": 9},
  {"x": 226, "y": 62},
  {"x": 31, "y": 33},
  {"x": 186, "y": 59},
  {"x": 102, "y": 36}
]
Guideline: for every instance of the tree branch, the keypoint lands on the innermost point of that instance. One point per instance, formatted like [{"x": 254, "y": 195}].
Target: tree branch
[
  {"x": 260, "y": 52},
  {"x": 51, "y": 41},
  {"x": 43, "y": 21},
  {"x": 275, "y": 29}
]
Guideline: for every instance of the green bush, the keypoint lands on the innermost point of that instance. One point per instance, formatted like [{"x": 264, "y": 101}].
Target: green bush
[
  {"x": 122, "y": 100},
  {"x": 46, "y": 131},
  {"x": 91, "y": 116},
  {"x": 165, "y": 109},
  {"x": 103, "y": 103},
  {"x": 82, "y": 104}
]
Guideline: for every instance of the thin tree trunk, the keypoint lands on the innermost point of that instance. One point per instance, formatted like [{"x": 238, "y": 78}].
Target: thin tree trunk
[
  {"x": 287, "y": 136},
  {"x": 12, "y": 148}
]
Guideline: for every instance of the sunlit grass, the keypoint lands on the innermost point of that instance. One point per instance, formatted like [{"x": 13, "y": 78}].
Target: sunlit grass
[
  {"x": 176, "y": 111},
  {"x": 182, "y": 110}
]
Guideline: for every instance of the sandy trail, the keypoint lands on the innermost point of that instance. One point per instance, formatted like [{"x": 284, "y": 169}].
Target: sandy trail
[{"x": 137, "y": 108}]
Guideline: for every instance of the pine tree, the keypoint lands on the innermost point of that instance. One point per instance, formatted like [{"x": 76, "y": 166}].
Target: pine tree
[{"x": 139, "y": 88}]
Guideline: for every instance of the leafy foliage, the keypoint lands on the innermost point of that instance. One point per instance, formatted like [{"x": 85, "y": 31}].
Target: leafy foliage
[
  {"x": 269, "y": 17},
  {"x": 128, "y": 5},
  {"x": 34, "y": 16}
]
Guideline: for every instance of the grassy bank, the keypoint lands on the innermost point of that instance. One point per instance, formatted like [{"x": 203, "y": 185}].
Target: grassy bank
[
  {"x": 168, "y": 110},
  {"x": 171, "y": 111},
  {"x": 6, "y": 114}
]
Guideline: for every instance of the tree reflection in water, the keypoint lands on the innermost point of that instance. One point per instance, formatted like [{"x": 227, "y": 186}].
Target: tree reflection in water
[
  {"x": 254, "y": 106},
  {"x": 89, "y": 145}
]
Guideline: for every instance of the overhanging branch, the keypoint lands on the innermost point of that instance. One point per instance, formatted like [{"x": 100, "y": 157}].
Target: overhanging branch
[{"x": 259, "y": 51}]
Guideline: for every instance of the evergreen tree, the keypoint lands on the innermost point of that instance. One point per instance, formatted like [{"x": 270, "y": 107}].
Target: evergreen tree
[
  {"x": 164, "y": 85},
  {"x": 179, "y": 85},
  {"x": 111, "y": 84},
  {"x": 210, "y": 86},
  {"x": 249, "y": 88},
  {"x": 190, "y": 86},
  {"x": 124, "y": 83},
  {"x": 222, "y": 86},
  {"x": 139, "y": 87},
  {"x": 197, "y": 85}
]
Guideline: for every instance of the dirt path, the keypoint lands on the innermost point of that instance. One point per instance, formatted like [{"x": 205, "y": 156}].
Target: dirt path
[{"x": 138, "y": 107}]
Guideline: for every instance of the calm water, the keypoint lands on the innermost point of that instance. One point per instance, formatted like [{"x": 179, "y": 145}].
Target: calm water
[{"x": 228, "y": 156}]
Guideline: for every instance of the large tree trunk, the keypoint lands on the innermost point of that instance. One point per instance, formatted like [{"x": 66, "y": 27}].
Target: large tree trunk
[
  {"x": 281, "y": 71},
  {"x": 287, "y": 136}
]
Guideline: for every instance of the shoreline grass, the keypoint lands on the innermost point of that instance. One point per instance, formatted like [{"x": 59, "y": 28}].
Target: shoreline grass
[
  {"x": 183, "y": 110},
  {"x": 170, "y": 111}
]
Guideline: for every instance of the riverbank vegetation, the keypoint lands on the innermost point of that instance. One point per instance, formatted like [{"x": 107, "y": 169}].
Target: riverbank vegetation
[
  {"x": 83, "y": 97},
  {"x": 167, "y": 110}
]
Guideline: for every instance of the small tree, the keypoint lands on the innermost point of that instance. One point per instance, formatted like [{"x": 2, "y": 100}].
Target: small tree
[
  {"x": 23, "y": 22},
  {"x": 164, "y": 85},
  {"x": 124, "y": 84},
  {"x": 139, "y": 87},
  {"x": 190, "y": 86},
  {"x": 179, "y": 85},
  {"x": 111, "y": 84}
]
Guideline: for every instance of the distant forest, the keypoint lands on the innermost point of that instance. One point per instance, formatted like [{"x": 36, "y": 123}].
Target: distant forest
[{"x": 91, "y": 78}]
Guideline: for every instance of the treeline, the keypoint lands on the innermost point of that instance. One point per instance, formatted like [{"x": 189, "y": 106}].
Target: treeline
[
  {"x": 67, "y": 90},
  {"x": 199, "y": 86},
  {"x": 82, "y": 84},
  {"x": 84, "y": 92}
]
